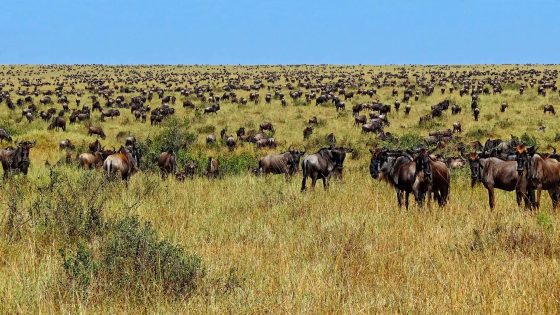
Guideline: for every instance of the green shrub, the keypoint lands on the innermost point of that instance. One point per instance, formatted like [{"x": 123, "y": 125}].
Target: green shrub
[{"x": 135, "y": 259}]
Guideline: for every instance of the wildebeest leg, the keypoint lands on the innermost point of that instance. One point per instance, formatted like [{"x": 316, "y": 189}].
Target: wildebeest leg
[{"x": 491, "y": 200}]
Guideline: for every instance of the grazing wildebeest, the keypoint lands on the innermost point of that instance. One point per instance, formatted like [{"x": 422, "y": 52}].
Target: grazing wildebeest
[
  {"x": 549, "y": 109},
  {"x": 307, "y": 132},
  {"x": 397, "y": 168},
  {"x": 266, "y": 126},
  {"x": 16, "y": 160},
  {"x": 313, "y": 121},
  {"x": 66, "y": 145},
  {"x": 210, "y": 139},
  {"x": 212, "y": 109},
  {"x": 4, "y": 136},
  {"x": 57, "y": 123},
  {"x": 360, "y": 120},
  {"x": 121, "y": 162},
  {"x": 496, "y": 173},
  {"x": 167, "y": 163},
  {"x": 457, "y": 127},
  {"x": 284, "y": 163},
  {"x": 430, "y": 177},
  {"x": 98, "y": 131},
  {"x": 321, "y": 164},
  {"x": 212, "y": 168},
  {"x": 542, "y": 173}
]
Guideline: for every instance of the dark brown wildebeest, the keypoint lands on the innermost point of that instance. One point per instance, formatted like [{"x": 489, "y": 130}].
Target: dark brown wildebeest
[
  {"x": 307, "y": 132},
  {"x": 66, "y": 145},
  {"x": 230, "y": 142},
  {"x": 210, "y": 139},
  {"x": 549, "y": 109},
  {"x": 98, "y": 131},
  {"x": 321, "y": 165},
  {"x": 4, "y": 136},
  {"x": 267, "y": 142},
  {"x": 212, "y": 168},
  {"x": 457, "y": 127},
  {"x": 212, "y": 109},
  {"x": 431, "y": 177},
  {"x": 266, "y": 126},
  {"x": 496, "y": 173},
  {"x": 57, "y": 123},
  {"x": 397, "y": 168},
  {"x": 284, "y": 163},
  {"x": 476, "y": 113},
  {"x": 16, "y": 160},
  {"x": 503, "y": 107},
  {"x": 313, "y": 121},
  {"x": 121, "y": 162},
  {"x": 360, "y": 120},
  {"x": 167, "y": 163},
  {"x": 542, "y": 173},
  {"x": 331, "y": 139}
]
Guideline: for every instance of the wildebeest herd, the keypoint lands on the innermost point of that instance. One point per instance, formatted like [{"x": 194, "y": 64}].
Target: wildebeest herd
[{"x": 99, "y": 96}]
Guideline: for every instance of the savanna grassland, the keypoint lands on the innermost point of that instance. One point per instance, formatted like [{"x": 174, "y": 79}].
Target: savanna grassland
[{"x": 72, "y": 241}]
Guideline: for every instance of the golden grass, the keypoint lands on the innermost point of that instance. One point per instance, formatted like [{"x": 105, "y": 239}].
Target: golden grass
[{"x": 269, "y": 248}]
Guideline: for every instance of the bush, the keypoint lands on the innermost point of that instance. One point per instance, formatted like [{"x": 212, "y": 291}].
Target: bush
[{"x": 136, "y": 260}]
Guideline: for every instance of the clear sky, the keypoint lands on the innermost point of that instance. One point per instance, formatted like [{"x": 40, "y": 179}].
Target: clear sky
[{"x": 279, "y": 32}]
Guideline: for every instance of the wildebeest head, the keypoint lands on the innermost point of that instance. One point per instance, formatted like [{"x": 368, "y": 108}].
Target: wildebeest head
[{"x": 523, "y": 154}]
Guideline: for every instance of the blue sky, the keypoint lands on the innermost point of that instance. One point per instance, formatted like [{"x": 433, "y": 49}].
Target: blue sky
[{"x": 279, "y": 32}]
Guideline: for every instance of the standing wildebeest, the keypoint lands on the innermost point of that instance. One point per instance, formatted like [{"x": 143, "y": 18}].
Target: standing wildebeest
[
  {"x": 457, "y": 127},
  {"x": 307, "y": 132},
  {"x": 98, "y": 131},
  {"x": 167, "y": 163},
  {"x": 212, "y": 168},
  {"x": 541, "y": 173},
  {"x": 321, "y": 164},
  {"x": 4, "y": 135},
  {"x": 58, "y": 123},
  {"x": 549, "y": 109},
  {"x": 397, "y": 168},
  {"x": 476, "y": 113},
  {"x": 496, "y": 173},
  {"x": 284, "y": 163},
  {"x": 121, "y": 162},
  {"x": 230, "y": 142},
  {"x": 16, "y": 160},
  {"x": 430, "y": 177}
]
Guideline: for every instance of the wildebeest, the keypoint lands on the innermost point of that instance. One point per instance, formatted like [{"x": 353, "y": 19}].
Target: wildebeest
[
  {"x": 66, "y": 144},
  {"x": 284, "y": 163},
  {"x": 98, "y": 131},
  {"x": 16, "y": 160},
  {"x": 431, "y": 177},
  {"x": 212, "y": 109},
  {"x": 397, "y": 168},
  {"x": 4, "y": 135},
  {"x": 58, "y": 123},
  {"x": 540, "y": 172},
  {"x": 212, "y": 168},
  {"x": 121, "y": 162},
  {"x": 457, "y": 127},
  {"x": 549, "y": 109},
  {"x": 495, "y": 173},
  {"x": 167, "y": 163},
  {"x": 307, "y": 132},
  {"x": 321, "y": 164}
]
